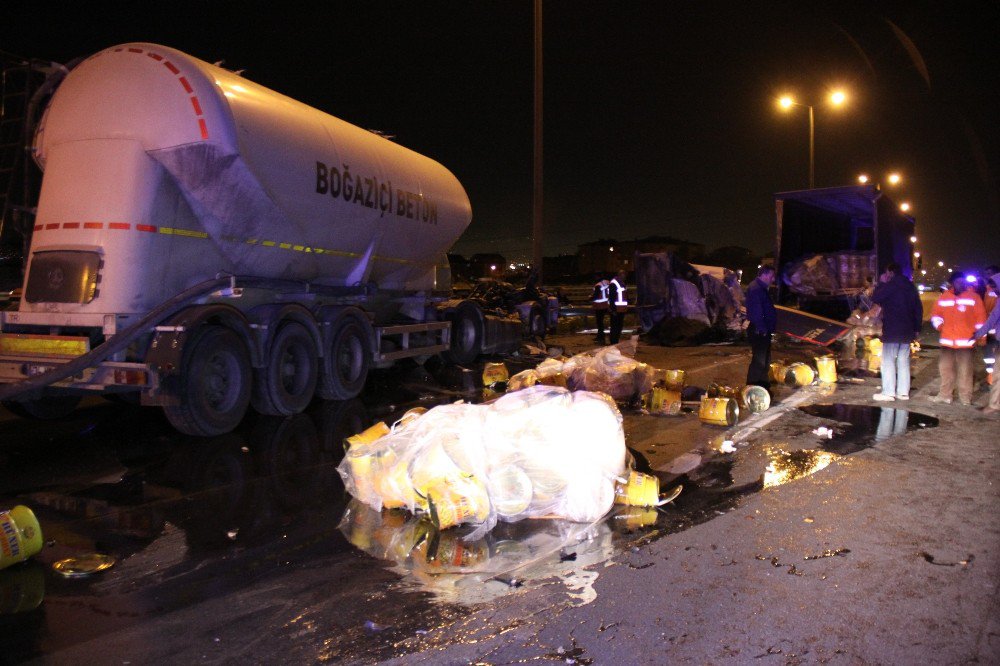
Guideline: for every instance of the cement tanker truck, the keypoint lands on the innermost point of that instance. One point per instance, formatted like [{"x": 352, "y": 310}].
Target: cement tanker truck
[{"x": 205, "y": 243}]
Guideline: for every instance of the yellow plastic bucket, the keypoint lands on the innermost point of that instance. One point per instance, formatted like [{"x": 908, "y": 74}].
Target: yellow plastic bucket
[
  {"x": 756, "y": 399},
  {"x": 778, "y": 371},
  {"x": 370, "y": 435},
  {"x": 719, "y": 411},
  {"x": 875, "y": 346},
  {"x": 827, "y": 367},
  {"x": 674, "y": 379},
  {"x": 456, "y": 500},
  {"x": 664, "y": 401},
  {"x": 799, "y": 374},
  {"x": 638, "y": 490},
  {"x": 495, "y": 372},
  {"x": 20, "y": 536}
]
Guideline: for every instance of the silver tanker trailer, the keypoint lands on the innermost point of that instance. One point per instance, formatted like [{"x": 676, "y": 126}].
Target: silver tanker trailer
[{"x": 206, "y": 243}]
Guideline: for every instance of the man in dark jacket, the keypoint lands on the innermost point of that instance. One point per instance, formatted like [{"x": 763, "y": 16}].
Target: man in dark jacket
[
  {"x": 902, "y": 316},
  {"x": 763, "y": 321}
]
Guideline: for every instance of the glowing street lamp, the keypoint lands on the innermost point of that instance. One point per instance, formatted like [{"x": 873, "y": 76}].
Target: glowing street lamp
[
  {"x": 905, "y": 207},
  {"x": 863, "y": 179},
  {"x": 940, "y": 264},
  {"x": 786, "y": 102},
  {"x": 913, "y": 239},
  {"x": 895, "y": 178}
]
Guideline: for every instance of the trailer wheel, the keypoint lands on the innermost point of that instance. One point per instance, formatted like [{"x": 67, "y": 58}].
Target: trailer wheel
[
  {"x": 466, "y": 334},
  {"x": 287, "y": 383},
  {"x": 347, "y": 360},
  {"x": 215, "y": 384},
  {"x": 44, "y": 409}
]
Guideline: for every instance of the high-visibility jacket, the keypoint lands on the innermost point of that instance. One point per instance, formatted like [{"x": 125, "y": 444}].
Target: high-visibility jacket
[
  {"x": 958, "y": 317},
  {"x": 616, "y": 294},
  {"x": 600, "y": 297}
]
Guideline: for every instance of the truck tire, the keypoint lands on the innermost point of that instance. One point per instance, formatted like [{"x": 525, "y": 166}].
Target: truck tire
[
  {"x": 347, "y": 359},
  {"x": 44, "y": 409},
  {"x": 467, "y": 329},
  {"x": 215, "y": 384},
  {"x": 287, "y": 383}
]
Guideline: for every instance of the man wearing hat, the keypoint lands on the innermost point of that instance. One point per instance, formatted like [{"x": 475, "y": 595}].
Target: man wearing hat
[{"x": 958, "y": 316}]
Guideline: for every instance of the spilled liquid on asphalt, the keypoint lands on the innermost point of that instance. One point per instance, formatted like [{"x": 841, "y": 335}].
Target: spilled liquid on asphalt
[
  {"x": 861, "y": 426},
  {"x": 192, "y": 521}
]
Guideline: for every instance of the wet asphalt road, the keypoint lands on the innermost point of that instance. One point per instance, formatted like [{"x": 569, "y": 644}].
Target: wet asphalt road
[{"x": 245, "y": 547}]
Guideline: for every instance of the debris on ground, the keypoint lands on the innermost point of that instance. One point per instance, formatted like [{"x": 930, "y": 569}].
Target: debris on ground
[{"x": 540, "y": 452}]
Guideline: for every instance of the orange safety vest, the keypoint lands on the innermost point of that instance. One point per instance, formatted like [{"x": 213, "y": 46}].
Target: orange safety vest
[{"x": 957, "y": 317}]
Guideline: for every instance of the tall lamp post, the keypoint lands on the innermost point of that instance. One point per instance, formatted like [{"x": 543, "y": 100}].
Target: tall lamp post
[{"x": 837, "y": 98}]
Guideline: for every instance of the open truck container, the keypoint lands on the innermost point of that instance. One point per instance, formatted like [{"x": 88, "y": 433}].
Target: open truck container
[{"x": 856, "y": 230}]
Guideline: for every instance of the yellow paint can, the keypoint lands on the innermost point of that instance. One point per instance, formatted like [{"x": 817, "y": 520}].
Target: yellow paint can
[
  {"x": 778, "y": 372},
  {"x": 827, "y": 367},
  {"x": 800, "y": 374},
  {"x": 495, "y": 372},
  {"x": 638, "y": 490},
  {"x": 719, "y": 411},
  {"x": 20, "y": 536},
  {"x": 674, "y": 379},
  {"x": 756, "y": 399}
]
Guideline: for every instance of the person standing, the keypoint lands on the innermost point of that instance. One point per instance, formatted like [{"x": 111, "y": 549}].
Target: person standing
[
  {"x": 990, "y": 328},
  {"x": 599, "y": 302},
  {"x": 990, "y": 303},
  {"x": 618, "y": 303},
  {"x": 958, "y": 315},
  {"x": 902, "y": 315},
  {"x": 763, "y": 321}
]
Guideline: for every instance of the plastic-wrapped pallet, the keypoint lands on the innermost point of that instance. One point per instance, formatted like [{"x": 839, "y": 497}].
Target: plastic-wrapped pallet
[
  {"x": 607, "y": 370},
  {"x": 539, "y": 452}
]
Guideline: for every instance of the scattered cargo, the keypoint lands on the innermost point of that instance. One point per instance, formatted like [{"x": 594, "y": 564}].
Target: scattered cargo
[{"x": 540, "y": 452}]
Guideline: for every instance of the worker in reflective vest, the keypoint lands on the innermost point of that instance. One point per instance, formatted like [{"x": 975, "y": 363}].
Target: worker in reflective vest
[
  {"x": 599, "y": 301},
  {"x": 618, "y": 302},
  {"x": 958, "y": 315}
]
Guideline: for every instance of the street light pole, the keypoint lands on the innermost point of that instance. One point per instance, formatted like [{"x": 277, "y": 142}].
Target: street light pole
[
  {"x": 787, "y": 102},
  {"x": 812, "y": 149}
]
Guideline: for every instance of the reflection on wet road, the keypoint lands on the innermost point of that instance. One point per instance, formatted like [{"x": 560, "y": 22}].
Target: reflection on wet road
[{"x": 260, "y": 516}]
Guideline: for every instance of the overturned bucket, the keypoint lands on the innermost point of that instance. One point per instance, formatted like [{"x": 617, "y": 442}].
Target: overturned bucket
[
  {"x": 756, "y": 399},
  {"x": 827, "y": 367},
  {"x": 777, "y": 372},
  {"x": 664, "y": 401},
  {"x": 20, "y": 536},
  {"x": 719, "y": 411},
  {"x": 674, "y": 379},
  {"x": 799, "y": 374},
  {"x": 638, "y": 490}
]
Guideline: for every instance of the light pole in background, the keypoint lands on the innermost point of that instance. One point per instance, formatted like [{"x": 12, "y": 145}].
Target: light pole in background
[{"x": 786, "y": 102}]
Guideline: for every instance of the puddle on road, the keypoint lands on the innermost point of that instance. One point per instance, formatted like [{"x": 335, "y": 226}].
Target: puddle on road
[
  {"x": 866, "y": 425},
  {"x": 192, "y": 520}
]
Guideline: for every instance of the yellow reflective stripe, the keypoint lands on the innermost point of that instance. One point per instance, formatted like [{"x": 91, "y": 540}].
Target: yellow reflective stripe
[
  {"x": 43, "y": 345},
  {"x": 189, "y": 233}
]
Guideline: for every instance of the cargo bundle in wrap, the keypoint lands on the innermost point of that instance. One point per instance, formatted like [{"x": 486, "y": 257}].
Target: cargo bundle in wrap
[
  {"x": 606, "y": 370},
  {"x": 540, "y": 452},
  {"x": 810, "y": 276}
]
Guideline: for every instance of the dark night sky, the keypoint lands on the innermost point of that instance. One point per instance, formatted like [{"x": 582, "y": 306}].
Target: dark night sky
[{"x": 660, "y": 117}]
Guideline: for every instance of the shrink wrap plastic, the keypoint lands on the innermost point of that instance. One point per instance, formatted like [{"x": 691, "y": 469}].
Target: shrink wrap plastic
[
  {"x": 539, "y": 452},
  {"x": 607, "y": 370}
]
